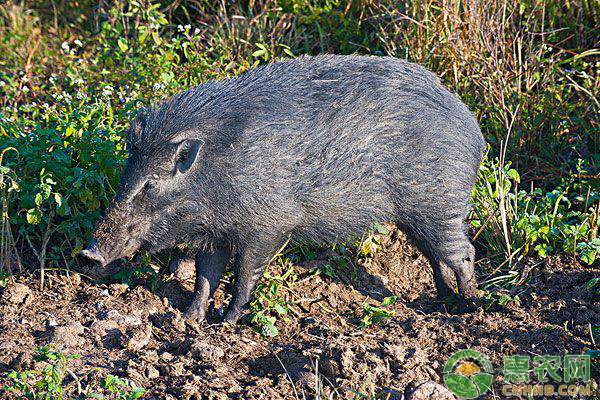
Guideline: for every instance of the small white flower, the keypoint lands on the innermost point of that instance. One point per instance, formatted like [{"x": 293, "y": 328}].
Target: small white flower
[
  {"x": 80, "y": 95},
  {"x": 52, "y": 79},
  {"x": 78, "y": 42},
  {"x": 188, "y": 27},
  {"x": 2, "y": 83},
  {"x": 180, "y": 28},
  {"x": 65, "y": 46},
  {"x": 157, "y": 86},
  {"x": 25, "y": 89},
  {"x": 46, "y": 105},
  {"x": 196, "y": 31},
  {"x": 24, "y": 79},
  {"x": 78, "y": 81}
]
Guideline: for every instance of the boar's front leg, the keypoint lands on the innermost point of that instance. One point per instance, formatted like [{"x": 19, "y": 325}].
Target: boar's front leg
[
  {"x": 248, "y": 268},
  {"x": 210, "y": 266}
]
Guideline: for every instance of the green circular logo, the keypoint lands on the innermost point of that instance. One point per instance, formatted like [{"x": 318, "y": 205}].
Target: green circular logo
[{"x": 468, "y": 374}]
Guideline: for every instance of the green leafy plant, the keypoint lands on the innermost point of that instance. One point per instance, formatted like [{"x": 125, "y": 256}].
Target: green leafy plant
[
  {"x": 268, "y": 304},
  {"x": 375, "y": 315},
  {"x": 499, "y": 299},
  {"x": 4, "y": 280},
  {"x": 142, "y": 273},
  {"x": 370, "y": 242},
  {"x": 593, "y": 284},
  {"x": 325, "y": 270},
  {"x": 514, "y": 223},
  {"x": 121, "y": 389},
  {"x": 46, "y": 383}
]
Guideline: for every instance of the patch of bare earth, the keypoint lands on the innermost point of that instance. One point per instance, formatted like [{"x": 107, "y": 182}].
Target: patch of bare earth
[{"x": 140, "y": 335}]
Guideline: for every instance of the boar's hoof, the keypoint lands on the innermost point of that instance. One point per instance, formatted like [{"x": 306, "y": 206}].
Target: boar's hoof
[
  {"x": 233, "y": 316},
  {"x": 195, "y": 313}
]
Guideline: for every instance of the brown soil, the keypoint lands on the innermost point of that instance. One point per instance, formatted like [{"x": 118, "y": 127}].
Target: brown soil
[{"x": 140, "y": 335}]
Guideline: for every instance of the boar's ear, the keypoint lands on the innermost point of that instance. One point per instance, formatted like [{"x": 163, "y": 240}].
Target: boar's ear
[{"x": 187, "y": 153}]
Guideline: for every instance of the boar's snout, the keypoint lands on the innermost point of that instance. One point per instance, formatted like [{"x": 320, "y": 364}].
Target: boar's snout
[{"x": 93, "y": 253}]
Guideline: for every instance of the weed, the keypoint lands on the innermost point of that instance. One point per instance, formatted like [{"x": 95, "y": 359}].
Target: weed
[
  {"x": 499, "y": 299},
  {"x": 325, "y": 270},
  {"x": 122, "y": 389},
  {"x": 49, "y": 381},
  {"x": 593, "y": 284},
  {"x": 41, "y": 384},
  {"x": 513, "y": 223},
  {"x": 370, "y": 242},
  {"x": 375, "y": 315},
  {"x": 144, "y": 272},
  {"x": 4, "y": 280},
  {"x": 268, "y": 304}
]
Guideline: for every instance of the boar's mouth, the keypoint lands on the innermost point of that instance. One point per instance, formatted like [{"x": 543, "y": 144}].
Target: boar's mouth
[{"x": 93, "y": 253}]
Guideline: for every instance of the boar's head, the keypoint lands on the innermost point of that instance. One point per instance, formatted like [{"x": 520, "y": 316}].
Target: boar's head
[{"x": 160, "y": 199}]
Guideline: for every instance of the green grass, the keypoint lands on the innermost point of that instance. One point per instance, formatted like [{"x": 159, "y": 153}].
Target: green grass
[{"x": 73, "y": 74}]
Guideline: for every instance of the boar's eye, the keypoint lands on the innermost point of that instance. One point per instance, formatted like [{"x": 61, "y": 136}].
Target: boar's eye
[
  {"x": 187, "y": 154},
  {"x": 151, "y": 186}
]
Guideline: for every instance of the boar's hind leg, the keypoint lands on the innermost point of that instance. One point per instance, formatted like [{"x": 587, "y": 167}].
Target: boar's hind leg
[
  {"x": 210, "y": 266},
  {"x": 248, "y": 268}
]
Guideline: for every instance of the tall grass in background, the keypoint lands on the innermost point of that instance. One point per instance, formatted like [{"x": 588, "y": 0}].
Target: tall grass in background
[{"x": 74, "y": 73}]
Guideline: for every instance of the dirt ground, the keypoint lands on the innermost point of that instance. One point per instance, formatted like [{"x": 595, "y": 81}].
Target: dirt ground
[{"x": 140, "y": 335}]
